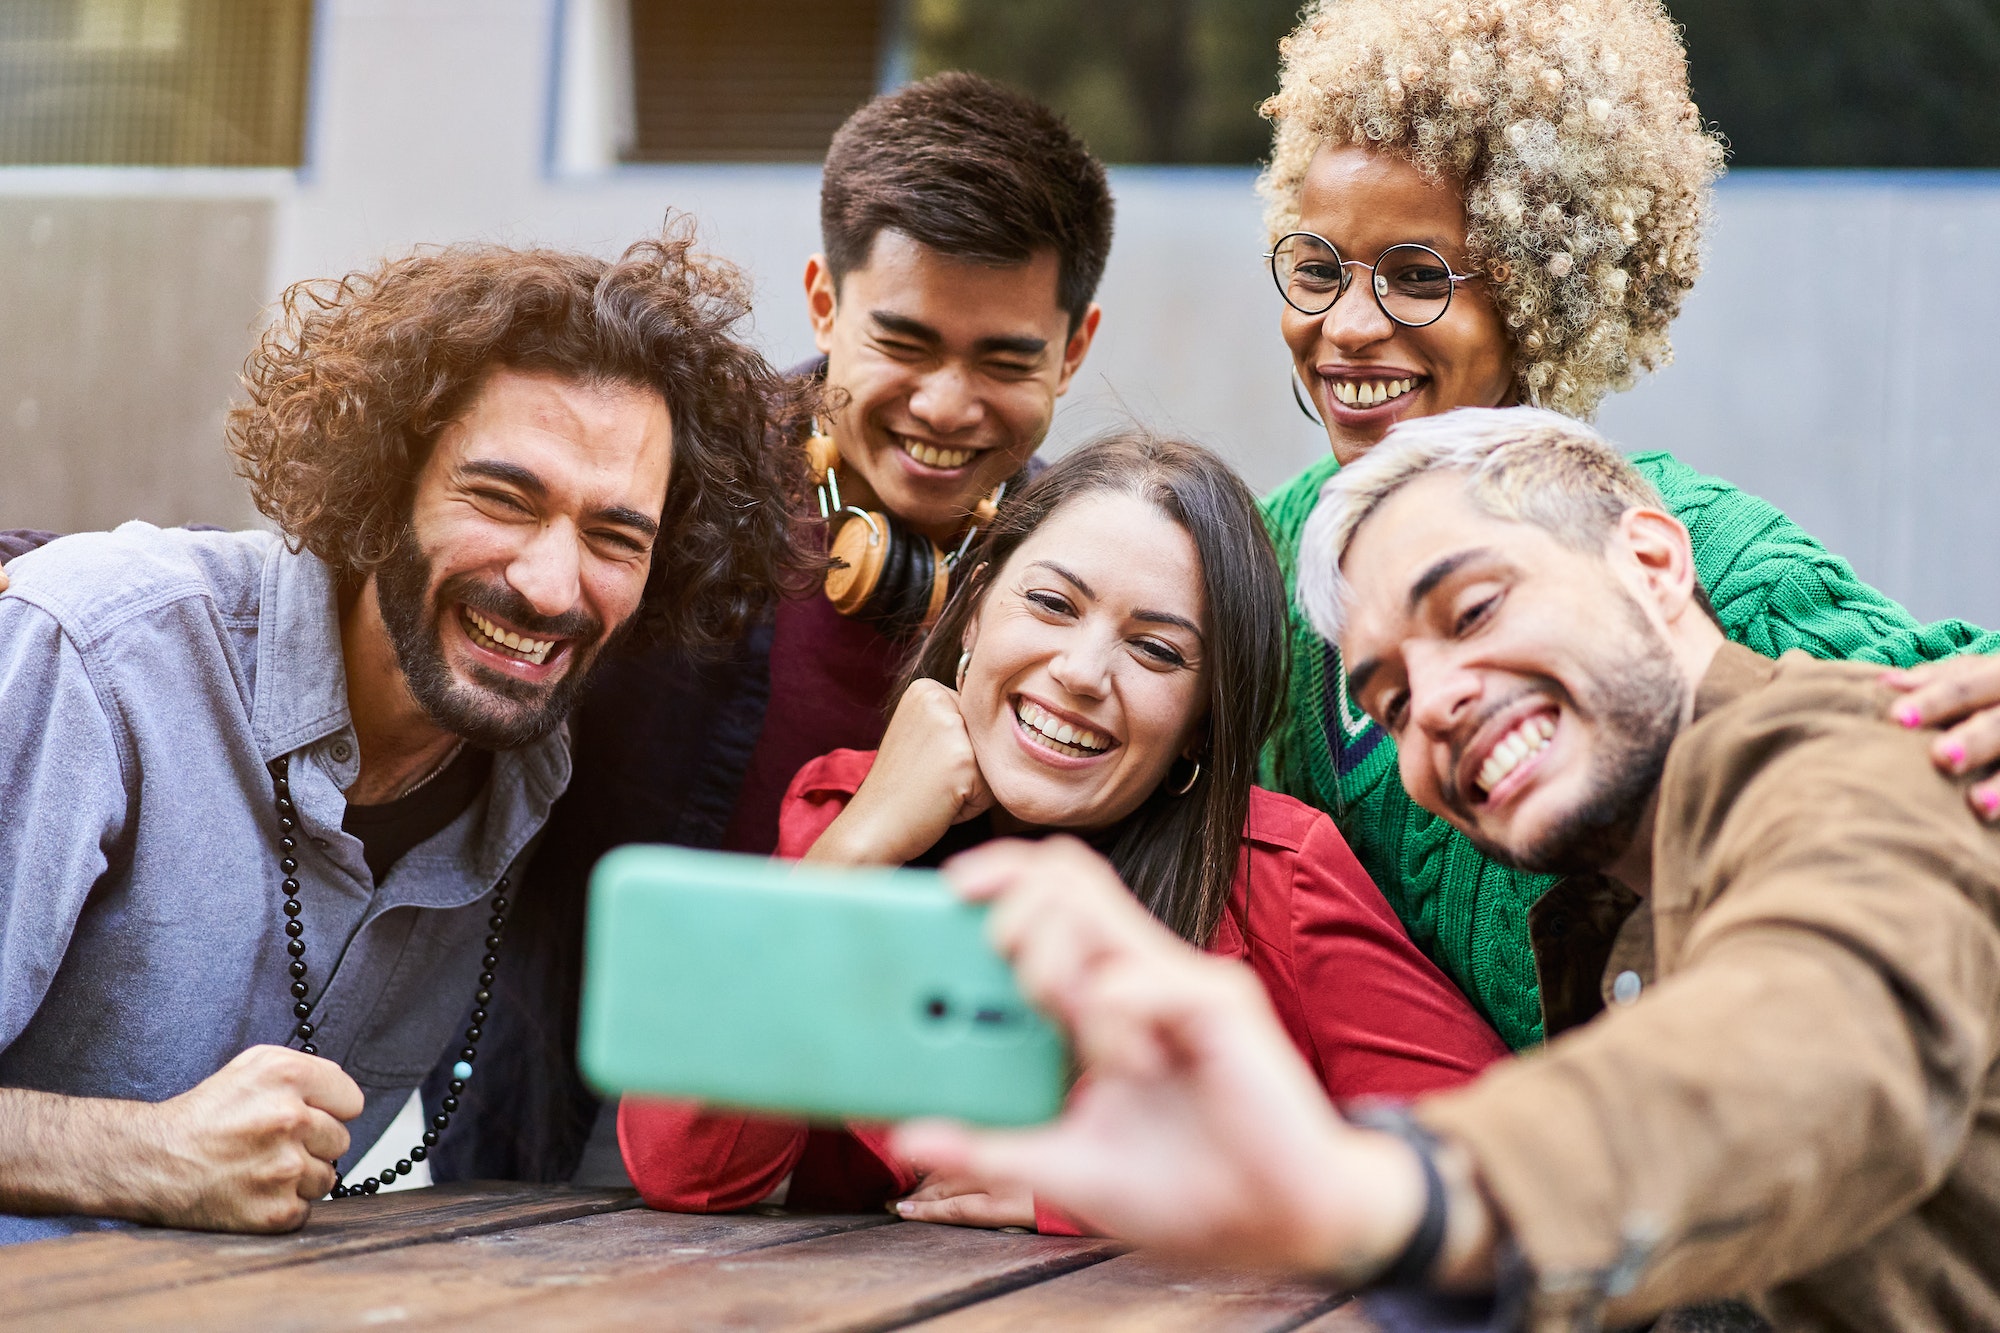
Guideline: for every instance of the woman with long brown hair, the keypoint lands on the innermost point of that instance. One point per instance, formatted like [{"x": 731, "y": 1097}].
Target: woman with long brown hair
[{"x": 1109, "y": 668}]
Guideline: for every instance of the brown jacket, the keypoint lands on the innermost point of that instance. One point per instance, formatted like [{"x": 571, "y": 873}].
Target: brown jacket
[{"x": 1801, "y": 1103}]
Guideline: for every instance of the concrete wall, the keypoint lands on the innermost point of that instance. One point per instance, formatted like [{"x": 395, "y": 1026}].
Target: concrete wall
[
  {"x": 122, "y": 322},
  {"x": 1834, "y": 359}
]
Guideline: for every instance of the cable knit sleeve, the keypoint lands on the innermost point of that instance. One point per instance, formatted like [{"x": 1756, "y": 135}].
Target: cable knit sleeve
[{"x": 1776, "y": 588}]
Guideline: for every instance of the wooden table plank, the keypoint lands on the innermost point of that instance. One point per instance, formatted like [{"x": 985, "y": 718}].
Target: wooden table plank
[
  {"x": 1141, "y": 1295},
  {"x": 48, "y": 1275},
  {"x": 859, "y": 1282},
  {"x": 1349, "y": 1318},
  {"x": 476, "y": 1278}
]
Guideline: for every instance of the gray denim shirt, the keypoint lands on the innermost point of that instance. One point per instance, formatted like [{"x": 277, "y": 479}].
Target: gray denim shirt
[{"x": 148, "y": 679}]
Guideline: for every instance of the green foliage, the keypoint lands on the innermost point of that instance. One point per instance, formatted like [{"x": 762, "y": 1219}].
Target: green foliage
[
  {"x": 1833, "y": 83},
  {"x": 1140, "y": 80},
  {"x": 1848, "y": 83}
]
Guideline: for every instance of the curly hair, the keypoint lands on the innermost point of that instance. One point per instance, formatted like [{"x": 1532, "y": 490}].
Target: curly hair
[
  {"x": 1585, "y": 167},
  {"x": 354, "y": 379}
]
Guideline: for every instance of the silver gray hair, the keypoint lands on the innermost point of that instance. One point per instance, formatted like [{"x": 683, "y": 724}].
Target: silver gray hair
[{"x": 1525, "y": 464}]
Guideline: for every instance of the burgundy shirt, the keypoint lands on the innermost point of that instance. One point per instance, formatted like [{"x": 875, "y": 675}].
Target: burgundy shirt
[{"x": 830, "y": 681}]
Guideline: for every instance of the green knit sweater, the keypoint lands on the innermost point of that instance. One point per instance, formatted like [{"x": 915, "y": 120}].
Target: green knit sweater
[{"x": 1775, "y": 589}]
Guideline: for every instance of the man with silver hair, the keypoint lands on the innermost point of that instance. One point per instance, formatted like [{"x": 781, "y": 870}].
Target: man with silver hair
[{"x": 1776, "y": 964}]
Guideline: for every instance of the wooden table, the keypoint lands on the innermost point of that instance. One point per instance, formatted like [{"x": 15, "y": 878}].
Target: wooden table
[{"x": 520, "y": 1256}]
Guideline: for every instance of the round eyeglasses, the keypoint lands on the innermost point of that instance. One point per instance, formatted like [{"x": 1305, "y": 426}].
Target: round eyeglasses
[{"x": 1412, "y": 283}]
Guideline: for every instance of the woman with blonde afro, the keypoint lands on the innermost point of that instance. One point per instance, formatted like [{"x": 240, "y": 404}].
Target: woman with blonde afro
[{"x": 1519, "y": 187}]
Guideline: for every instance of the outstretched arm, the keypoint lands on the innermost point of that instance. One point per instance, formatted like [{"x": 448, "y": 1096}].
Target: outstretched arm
[{"x": 1199, "y": 1132}]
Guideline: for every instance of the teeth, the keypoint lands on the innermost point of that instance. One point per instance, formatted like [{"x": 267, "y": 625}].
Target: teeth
[
  {"x": 492, "y": 636},
  {"x": 1045, "y": 724},
  {"x": 1531, "y": 737},
  {"x": 1371, "y": 393},
  {"x": 931, "y": 456}
]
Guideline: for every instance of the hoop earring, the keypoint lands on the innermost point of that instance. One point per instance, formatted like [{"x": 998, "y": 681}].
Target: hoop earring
[
  {"x": 1188, "y": 786},
  {"x": 964, "y": 661},
  {"x": 1299, "y": 397}
]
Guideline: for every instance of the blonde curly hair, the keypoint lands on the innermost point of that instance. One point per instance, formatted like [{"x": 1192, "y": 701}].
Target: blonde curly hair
[{"x": 1585, "y": 167}]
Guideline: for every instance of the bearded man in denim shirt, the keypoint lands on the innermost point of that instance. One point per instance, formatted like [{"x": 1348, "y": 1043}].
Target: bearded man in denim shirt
[{"x": 267, "y": 793}]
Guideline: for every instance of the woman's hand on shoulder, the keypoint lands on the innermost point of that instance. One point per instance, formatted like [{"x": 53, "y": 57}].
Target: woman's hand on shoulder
[
  {"x": 960, "y": 1202},
  {"x": 925, "y": 779},
  {"x": 1962, "y": 695}
]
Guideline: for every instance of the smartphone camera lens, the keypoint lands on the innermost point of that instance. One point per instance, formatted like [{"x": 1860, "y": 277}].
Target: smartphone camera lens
[{"x": 936, "y": 1009}]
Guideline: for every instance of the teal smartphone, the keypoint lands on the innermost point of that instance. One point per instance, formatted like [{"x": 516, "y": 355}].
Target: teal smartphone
[{"x": 766, "y": 985}]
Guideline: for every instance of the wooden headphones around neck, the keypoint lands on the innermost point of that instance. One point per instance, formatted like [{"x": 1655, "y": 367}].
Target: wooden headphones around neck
[{"x": 883, "y": 572}]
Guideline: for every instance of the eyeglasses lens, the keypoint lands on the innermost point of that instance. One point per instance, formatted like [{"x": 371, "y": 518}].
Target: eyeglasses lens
[
  {"x": 1308, "y": 272},
  {"x": 1413, "y": 283}
]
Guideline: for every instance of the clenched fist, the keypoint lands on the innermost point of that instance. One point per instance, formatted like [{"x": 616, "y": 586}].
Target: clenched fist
[
  {"x": 925, "y": 779},
  {"x": 250, "y": 1146}
]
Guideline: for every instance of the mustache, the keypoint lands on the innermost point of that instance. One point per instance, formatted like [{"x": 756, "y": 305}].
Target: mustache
[{"x": 498, "y": 601}]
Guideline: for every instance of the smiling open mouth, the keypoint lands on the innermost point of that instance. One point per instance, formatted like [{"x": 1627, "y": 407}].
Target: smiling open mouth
[
  {"x": 1370, "y": 393},
  {"x": 1065, "y": 738},
  {"x": 505, "y": 642},
  {"x": 1516, "y": 747},
  {"x": 931, "y": 455}
]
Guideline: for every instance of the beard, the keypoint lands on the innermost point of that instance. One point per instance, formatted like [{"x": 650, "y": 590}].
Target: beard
[
  {"x": 493, "y": 711},
  {"x": 1636, "y": 700}
]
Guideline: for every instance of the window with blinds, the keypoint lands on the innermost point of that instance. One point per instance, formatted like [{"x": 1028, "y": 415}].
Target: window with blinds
[
  {"x": 153, "y": 82},
  {"x": 750, "y": 80}
]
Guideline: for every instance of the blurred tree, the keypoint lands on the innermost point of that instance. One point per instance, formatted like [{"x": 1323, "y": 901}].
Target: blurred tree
[
  {"x": 1140, "y": 80},
  {"x": 1849, "y": 83},
  {"x": 1831, "y": 83}
]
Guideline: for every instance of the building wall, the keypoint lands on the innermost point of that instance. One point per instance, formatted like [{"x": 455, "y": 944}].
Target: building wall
[{"x": 1834, "y": 358}]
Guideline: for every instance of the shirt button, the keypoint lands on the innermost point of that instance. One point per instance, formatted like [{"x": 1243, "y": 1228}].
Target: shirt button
[
  {"x": 1625, "y": 987},
  {"x": 341, "y": 752}
]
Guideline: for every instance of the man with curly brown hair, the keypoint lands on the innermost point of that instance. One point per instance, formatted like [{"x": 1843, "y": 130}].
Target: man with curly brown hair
[{"x": 268, "y": 793}]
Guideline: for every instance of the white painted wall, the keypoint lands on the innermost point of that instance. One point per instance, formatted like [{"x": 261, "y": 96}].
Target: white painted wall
[{"x": 1834, "y": 359}]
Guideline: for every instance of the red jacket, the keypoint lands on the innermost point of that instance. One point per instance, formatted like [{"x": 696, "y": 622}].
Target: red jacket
[{"x": 1371, "y": 1014}]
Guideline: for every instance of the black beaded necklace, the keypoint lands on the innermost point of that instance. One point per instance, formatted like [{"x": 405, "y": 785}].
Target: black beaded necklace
[{"x": 295, "y": 945}]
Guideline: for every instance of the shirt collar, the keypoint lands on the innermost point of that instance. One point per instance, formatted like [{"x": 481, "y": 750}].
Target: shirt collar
[
  {"x": 301, "y": 677},
  {"x": 1735, "y": 672}
]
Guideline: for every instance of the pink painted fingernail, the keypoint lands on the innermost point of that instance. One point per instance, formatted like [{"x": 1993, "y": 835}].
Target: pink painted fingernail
[
  {"x": 1954, "y": 754},
  {"x": 1908, "y": 715},
  {"x": 1989, "y": 801}
]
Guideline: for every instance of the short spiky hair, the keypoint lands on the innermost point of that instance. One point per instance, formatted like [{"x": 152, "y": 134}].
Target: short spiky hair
[
  {"x": 1524, "y": 464},
  {"x": 973, "y": 170},
  {"x": 354, "y": 379},
  {"x": 1567, "y": 123}
]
